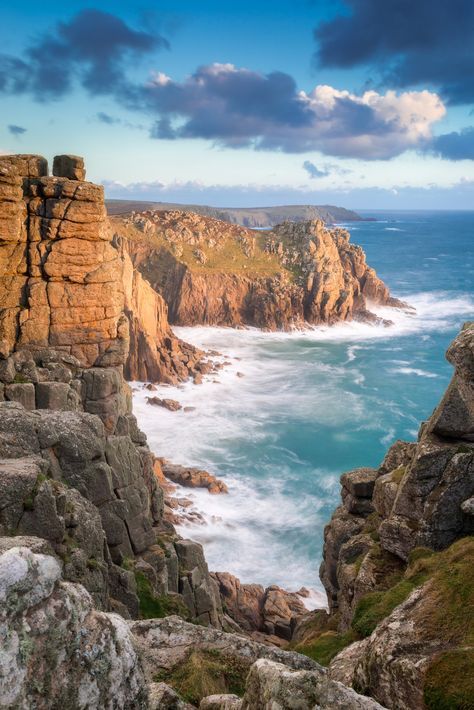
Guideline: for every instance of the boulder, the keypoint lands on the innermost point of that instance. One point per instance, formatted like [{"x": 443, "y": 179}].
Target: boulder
[{"x": 69, "y": 166}]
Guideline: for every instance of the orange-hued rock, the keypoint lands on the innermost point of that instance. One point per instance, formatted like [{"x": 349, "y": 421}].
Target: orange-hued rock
[
  {"x": 156, "y": 354},
  {"x": 214, "y": 273},
  {"x": 60, "y": 280}
]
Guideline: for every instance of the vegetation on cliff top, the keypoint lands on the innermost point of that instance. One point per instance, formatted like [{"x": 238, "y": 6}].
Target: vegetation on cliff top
[{"x": 228, "y": 257}]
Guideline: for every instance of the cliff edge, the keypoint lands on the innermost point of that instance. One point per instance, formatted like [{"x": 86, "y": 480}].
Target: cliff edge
[{"x": 213, "y": 273}]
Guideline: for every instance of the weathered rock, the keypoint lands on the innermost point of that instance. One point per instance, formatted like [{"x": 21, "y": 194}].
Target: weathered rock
[
  {"x": 166, "y": 643},
  {"x": 69, "y": 166},
  {"x": 162, "y": 697},
  {"x": 221, "y": 702},
  {"x": 271, "y": 686},
  {"x": 57, "y": 650}
]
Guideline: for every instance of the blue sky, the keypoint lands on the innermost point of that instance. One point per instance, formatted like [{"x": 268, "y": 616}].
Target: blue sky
[{"x": 361, "y": 103}]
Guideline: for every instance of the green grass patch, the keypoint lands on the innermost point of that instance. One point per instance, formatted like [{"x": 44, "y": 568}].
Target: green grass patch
[
  {"x": 326, "y": 646},
  {"x": 153, "y": 606},
  {"x": 20, "y": 379},
  {"x": 206, "y": 673},
  {"x": 449, "y": 681},
  {"x": 375, "y": 606}
]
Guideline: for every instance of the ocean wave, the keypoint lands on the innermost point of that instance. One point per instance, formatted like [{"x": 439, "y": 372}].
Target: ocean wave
[
  {"x": 433, "y": 311},
  {"x": 298, "y": 385}
]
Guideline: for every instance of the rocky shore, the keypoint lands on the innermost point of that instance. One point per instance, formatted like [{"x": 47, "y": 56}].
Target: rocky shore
[
  {"x": 103, "y": 604},
  {"x": 98, "y": 591}
]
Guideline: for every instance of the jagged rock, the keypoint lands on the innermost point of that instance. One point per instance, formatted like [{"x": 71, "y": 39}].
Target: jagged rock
[
  {"x": 58, "y": 651},
  {"x": 272, "y": 610},
  {"x": 360, "y": 482},
  {"x": 162, "y": 697},
  {"x": 271, "y": 686}
]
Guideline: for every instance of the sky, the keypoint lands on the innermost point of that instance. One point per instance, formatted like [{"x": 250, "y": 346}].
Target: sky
[{"x": 359, "y": 103}]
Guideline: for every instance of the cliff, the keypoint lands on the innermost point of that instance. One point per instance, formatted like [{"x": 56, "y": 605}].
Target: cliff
[
  {"x": 89, "y": 567},
  {"x": 398, "y": 563},
  {"x": 213, "y": 273},
  {"x": 252, "y": 217}
]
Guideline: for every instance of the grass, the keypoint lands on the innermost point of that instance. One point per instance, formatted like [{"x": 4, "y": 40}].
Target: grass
[
  {"x": 449, "y": 682},
  {"x": 326, "y": 646},
  {"x": 375, "y": 606},
  {"x": 398, "y": 474},
  {"x": 228, "y": 258},
  {"x": 207, "y": 672},
  {"x": 153, "y": 606}
]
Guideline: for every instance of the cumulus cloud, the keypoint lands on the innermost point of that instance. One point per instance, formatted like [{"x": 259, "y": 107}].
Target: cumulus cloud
[
  {"x": 93, "y": 48},
  {"x": 458, "y": 145},
  {"x": 241, "y": 108},
  {"x": 221, "y": 103},
  {"x": 16, "y": 130},
  {"x": 427, "y": 42}
]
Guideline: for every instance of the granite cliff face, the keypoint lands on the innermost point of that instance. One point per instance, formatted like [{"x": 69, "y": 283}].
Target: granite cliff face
[
  {"x": 213, "y": 273},
  {"x": 64, "y": 284},
  {"x": 84, "y": 545},
  {"x": 398, "y": 560}
]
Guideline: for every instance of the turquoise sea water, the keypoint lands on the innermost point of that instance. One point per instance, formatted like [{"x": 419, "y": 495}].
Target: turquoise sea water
[{"x": 314, "y": 404}]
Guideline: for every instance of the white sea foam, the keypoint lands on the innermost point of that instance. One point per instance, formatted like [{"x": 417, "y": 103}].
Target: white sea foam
[
  {"x": 414, "y": 371},
  {"x": 259, "y": 531}
]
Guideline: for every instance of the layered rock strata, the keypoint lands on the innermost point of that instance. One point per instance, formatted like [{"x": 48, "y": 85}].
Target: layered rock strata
[{"x": 213, "y": 273}]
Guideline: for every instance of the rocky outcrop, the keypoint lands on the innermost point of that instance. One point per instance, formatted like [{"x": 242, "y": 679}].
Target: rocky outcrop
[
  {"x": 271, "y": 685},
  {"x": 190, "y": 477},
  {"x": 155, "y": 353},
  {"x": 57, "y": 649},
  {"x": 272, "y": 611},
  {"x": 398, "y": 554},
  {"x": 210, "y": 272},
  {"x": 64, "y": 285},
  {"x": 76, "y": 470}
]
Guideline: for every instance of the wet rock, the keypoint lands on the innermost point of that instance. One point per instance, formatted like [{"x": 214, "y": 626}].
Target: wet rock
[
  {"x": 190, "y": 477},
  {"x": 171, "y": 404}
]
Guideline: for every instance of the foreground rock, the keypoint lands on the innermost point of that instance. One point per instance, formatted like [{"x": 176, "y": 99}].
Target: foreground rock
[
  {"x": 75, "y": 468},
  {"x": 213, "y": 273},
  {"x": 57, "y": 650}
]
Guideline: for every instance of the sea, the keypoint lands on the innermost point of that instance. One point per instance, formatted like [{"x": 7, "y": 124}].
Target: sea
[{"x": 292, "y": 411}]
